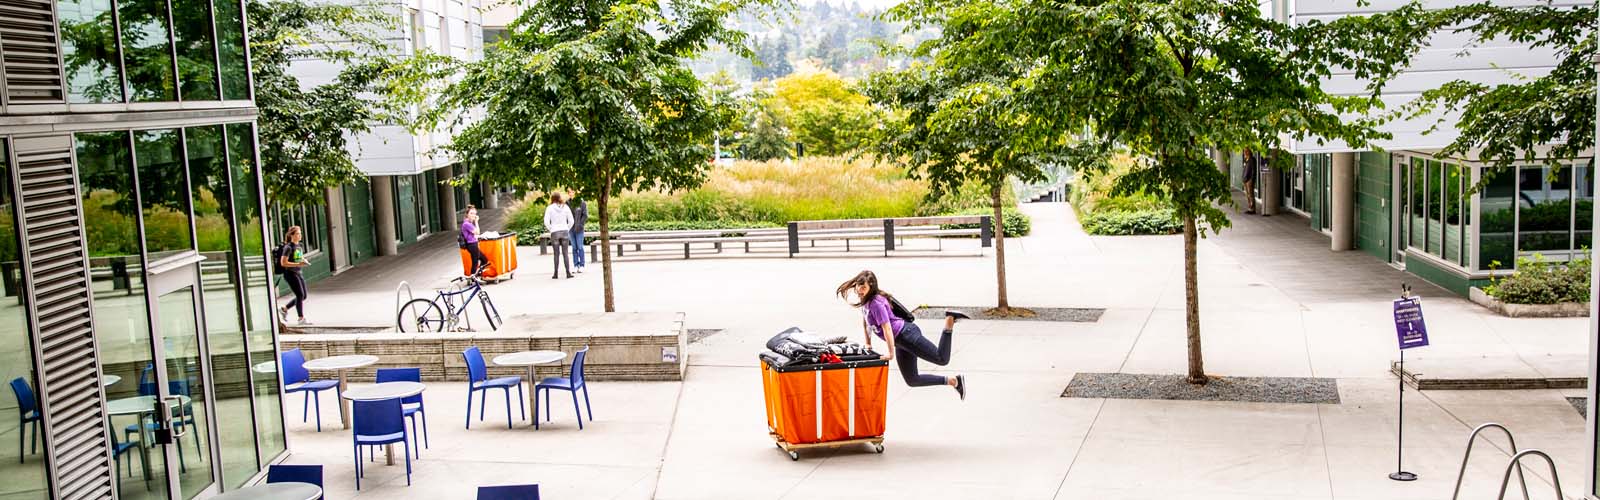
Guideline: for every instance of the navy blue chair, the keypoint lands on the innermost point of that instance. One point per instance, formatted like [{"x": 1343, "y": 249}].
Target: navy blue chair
[
  {"x": 27, "y": 413},
  {"x": 571, "y": 384},
  {"x": 297, "y": 379},
  {"x": 184, "y": 418},
  {"x": 377, "y": 423},
  {"x": 309, "y": 474},
  {"x": 119, "y": 448},
  {"x": 509, "y": 492},
  {"x": 411, "y": 404},
  {"x": 478, "y": 381}
]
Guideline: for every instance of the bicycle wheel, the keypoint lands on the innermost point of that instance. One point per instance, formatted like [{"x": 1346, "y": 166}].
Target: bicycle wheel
[
  {"x": 490, "y": 311},
  {"x": 420, "y": 315}
]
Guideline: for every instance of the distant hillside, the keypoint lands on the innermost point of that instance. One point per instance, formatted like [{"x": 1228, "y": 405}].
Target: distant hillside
[{"x": 837, "y": 37}]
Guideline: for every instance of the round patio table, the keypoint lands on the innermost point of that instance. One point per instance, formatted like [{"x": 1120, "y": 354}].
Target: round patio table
[
  {"x": 382, "y": 391},
  {"x": 341, "y": 364},
  {"x": 531, "y": 359},
  {"x": 108, "y": 380},
  {"x": 140, "y": 405},
  {"x": 273, "y": 491}
]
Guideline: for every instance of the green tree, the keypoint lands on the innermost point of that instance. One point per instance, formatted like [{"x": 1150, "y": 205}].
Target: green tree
[
  {"x": 305, "y": 130},
  {"x": 767, "y": 139},
  {"x": 593, "y": 95},
  {"x": 1169, "y": 79},
  {"x": 823, "y": 112}
]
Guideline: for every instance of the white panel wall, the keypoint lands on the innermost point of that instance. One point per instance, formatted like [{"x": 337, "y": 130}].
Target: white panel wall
[{"x": 1449, "y": 56}]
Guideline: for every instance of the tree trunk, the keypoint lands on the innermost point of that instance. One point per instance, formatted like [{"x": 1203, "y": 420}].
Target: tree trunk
[
  {"x": 999, "y": 247},
  {"x": 1191, "y": 292},
  {"x": 605, "y": 235}
]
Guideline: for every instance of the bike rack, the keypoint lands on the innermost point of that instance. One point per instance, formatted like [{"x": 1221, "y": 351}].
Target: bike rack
[
  {"x": 1472, "y": 439},
  {"x": 401, "y": 303},
  {"x": 1516, "y": 462}
]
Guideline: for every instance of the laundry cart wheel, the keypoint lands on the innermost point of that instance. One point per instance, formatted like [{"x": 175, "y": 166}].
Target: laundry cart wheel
[
  {"x": 877, "y": 447},
  {"x": 794, "y": 455}
]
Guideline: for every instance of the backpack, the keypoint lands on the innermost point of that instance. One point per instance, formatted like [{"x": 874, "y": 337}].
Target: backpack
[
  {"x": 277, "y": 256},
  {"x": 900, "y": 311}
]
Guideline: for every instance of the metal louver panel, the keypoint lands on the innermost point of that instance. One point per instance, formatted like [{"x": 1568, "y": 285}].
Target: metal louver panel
[
  {"x": 54, "y": 259},
  {"x": 29, "y": 53}
]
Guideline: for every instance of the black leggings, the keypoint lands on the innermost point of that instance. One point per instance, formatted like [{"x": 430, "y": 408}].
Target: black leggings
[
  {"x": 910, "y": 345},
  {"x": 479, "y": 261},
  {"x": 297, "y": 284}
]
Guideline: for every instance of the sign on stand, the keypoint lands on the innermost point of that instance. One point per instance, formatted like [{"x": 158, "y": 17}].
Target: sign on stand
[{"x": 1408, "y": 325}]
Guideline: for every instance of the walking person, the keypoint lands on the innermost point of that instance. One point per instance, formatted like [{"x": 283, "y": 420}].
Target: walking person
[
  {"x": 290, "y": 258},
  {"x": 558, "y": 221},
  {"x": 1250, "y": 168},
  {"x": 469, "y": 241},
  {"x": 904, "y": 338},
  {"x": 580, "y": 216}
]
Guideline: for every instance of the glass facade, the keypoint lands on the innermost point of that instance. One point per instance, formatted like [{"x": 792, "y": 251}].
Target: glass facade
[
  {"x": 22, "y": 472},
  {"x": 89, "y": 51},
  {"x": 170, "y": 50}
]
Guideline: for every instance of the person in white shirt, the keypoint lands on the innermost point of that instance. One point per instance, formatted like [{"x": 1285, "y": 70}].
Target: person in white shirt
[{"x": 558, "y": 221}]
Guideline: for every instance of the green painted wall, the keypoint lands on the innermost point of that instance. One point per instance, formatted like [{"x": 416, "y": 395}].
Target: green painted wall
[
  {"x": 1373, "y": 188},
  {"x": 1448, "y": 280},
  {"x": 358, "y": 221}
]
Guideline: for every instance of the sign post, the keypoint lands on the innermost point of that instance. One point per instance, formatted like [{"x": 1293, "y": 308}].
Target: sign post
[{"x": 1411, "y": 332}]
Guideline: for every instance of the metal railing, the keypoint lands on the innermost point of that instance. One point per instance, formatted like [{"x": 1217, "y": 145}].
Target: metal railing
[
  {"x": 1472, "y": 439},
  {"x": 401, "y": 303},
  {"x": 1516, "y": 462}
]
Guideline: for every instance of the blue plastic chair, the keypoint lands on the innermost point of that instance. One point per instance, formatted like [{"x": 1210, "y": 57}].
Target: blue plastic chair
[
  {"x": 184, "y": 418},
  {"x": 478, "y": 380},
  {"x": 297, "y": 379},
  {"x": 412, "y": 405},
  {"x": 571, "y": 384},
  {"x": 309, "y": 474},
  {"x": 27, "y": 413},
  {"x": 509, "y": 492},
  {"x": 377, "y": 423},
  {"x": 119, "y": 448}
]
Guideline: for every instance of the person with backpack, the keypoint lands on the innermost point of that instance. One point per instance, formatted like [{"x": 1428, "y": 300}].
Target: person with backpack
[
  {"x": 289, "y": 258},
  {"x": 889, "y": 320},
  {"x": 468, "y": 240}
]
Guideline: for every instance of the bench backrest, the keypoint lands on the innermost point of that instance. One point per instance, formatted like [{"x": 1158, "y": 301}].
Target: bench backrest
[{"x": 939, "y": 220}]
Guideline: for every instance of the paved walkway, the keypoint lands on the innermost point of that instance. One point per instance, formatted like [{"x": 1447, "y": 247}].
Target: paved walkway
[{"x": 1014, "y": 437}]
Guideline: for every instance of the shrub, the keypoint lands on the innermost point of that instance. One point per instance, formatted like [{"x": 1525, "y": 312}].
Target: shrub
[
  {"x": 1016, "y": 223},
  {"x": 1538, "y": 281},
  {"x": 1132, "y": 222}
]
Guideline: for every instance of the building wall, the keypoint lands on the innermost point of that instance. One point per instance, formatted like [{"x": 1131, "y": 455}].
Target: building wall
[{"x": 1373, "y": 220}]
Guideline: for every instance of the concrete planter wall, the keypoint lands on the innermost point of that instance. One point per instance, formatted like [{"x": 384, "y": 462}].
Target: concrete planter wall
[{"x": 1562, "y": 310}]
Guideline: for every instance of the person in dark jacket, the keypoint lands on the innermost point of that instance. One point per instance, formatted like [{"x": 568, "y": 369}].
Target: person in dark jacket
[
  {"x": 905, "y": 339},
  {"x": 1250, "y": 168},
  {"x": 580, "y": 216}
]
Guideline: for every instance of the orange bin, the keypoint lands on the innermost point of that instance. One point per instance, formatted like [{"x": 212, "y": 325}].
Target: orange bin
[
  {"x": 502, "y": 254},
  {"x": 826, "y": 404}
]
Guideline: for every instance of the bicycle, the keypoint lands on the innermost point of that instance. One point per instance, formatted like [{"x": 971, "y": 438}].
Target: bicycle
[{"x": 440, "y": 313}]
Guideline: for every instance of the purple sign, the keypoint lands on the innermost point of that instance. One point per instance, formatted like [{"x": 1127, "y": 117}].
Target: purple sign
[{"x": 1408, "y": 324}]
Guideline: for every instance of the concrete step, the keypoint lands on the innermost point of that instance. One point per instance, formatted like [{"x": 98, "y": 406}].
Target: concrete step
[{"x": 1553, "y": 371}]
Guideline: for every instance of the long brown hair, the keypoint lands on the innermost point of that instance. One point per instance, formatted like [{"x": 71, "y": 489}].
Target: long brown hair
[{"x": 864, "y": 277}]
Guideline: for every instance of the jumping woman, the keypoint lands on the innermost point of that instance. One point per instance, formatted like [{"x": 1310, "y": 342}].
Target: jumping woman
[{"x": 905, "y": 339}]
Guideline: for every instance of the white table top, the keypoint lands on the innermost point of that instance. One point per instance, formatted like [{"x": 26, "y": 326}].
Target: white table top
[
  {"x": 386, "y": 390},
  {"x": 107, "y": 380},
  {"x": 341, "y": 362},
  {"x": 137, "y": 404},
  {"x": 273, "y": 491},
  {"x": 526, "y": 358},
  {"x": 266, "y": 367}
]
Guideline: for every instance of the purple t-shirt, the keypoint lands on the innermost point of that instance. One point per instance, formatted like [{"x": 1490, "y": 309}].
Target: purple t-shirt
[
  {"x": 878, "y": 312},
  {"x": 469, "y": 232}
]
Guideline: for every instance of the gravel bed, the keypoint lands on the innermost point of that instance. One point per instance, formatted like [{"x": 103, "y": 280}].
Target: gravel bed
[
  {"x": 1580, "y": 404},
  {"x": 697, "y": 335},
  {"x": 1061, "y": 314},
  {"x": 1173, "y": 387}
]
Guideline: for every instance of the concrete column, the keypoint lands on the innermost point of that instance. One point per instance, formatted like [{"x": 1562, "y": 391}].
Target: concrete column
[
  {"x": 491, "y": 200},
  {"x": 1221, "y": 158},
  {"x": 447, "y": 199},
  {"x": 1343, "y": 205},
  {"x": 383, "y": 213},
  {"x": 1271, "y": 186}
]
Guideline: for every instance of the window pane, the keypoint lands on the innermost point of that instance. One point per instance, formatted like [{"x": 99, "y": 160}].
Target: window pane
[
  {"x": 89, "y": 50},
  {"x": 1434, "y": 191},
  {"x": 122, "y": 330},
  {"x": 1583, "y": 219},
  {"x": 147, "y": 50},
  {"x": 22, "y": 477},
  {"x": 1544, "y": 219},
  {"x": 213, "y": 214},
  {"x": 197, "y": 53},
  {"x": 1497, "y": 199},
  {"x": 258, "y": 302},
  {"x": 1451, "y": 208},
  {"x": 161, "y": 190},
  {"x": 230, "y": 44}
]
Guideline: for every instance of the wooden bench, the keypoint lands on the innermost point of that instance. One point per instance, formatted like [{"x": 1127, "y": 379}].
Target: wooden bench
[{"x": 892, "y": 231}]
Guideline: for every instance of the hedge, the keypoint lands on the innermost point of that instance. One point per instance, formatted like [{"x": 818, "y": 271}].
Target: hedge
[
  {"x": 1131, "y": 222},
  {"x": 1540, "y": 282}
]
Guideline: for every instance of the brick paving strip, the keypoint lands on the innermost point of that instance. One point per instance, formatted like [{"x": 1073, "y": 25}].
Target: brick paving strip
[{"x": 1173, "y": 387}]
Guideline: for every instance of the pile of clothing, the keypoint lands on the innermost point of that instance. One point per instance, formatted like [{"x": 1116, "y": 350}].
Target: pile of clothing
[{"x": 797, "y": 347}]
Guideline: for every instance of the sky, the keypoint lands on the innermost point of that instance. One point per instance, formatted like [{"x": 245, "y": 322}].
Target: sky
[{"x": 865, "y": 4}]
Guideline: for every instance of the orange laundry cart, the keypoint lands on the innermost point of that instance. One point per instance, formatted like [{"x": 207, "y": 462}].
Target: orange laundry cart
[
  {"x": 502, "y": 253},
  {"x": 825, "y": 405}
]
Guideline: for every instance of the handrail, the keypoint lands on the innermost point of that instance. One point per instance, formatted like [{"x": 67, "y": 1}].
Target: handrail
[
  {"x": 1516, "y": 462},
  {"x": 399, "y": 304},
  {"x": 1472, "y": 439}
]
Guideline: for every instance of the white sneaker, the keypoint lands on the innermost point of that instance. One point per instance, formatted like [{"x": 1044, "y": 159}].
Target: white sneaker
[
  {"x": 303, "y": 321},
  {"x": 580, "y": 269}
]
